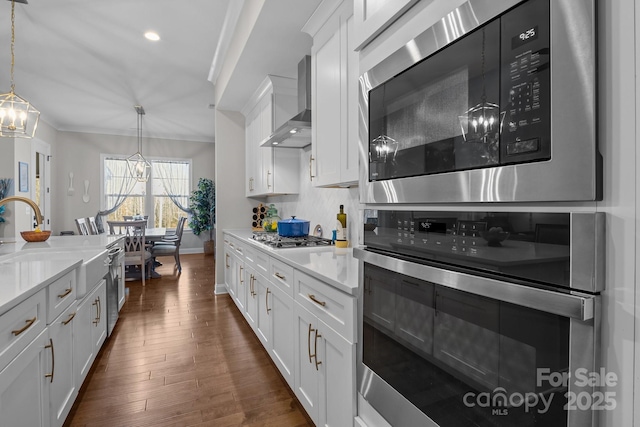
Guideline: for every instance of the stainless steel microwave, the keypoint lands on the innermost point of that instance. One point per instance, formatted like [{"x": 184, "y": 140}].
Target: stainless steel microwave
[{"x": 496, "y": 102}]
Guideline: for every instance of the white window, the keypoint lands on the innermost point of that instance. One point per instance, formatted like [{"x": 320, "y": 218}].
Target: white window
[{"x": 158, "y": 198}]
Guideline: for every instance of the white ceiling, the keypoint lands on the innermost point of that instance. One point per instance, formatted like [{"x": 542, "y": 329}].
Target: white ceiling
[{"x": 85, "y": 63}]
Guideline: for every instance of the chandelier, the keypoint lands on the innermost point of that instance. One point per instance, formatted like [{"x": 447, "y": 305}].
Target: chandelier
[
  {"x": 18, "y": 118},
  {"x": 138, "y": 166}
]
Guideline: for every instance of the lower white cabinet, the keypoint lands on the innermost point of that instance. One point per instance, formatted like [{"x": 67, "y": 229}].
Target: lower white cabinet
[
  {"x": 25, "y": 387},
  {"x": 281, "y": 329},
  {"x": 324, "y": 371},
  {"x": 307, "y": 326},
  {"x": 63, "y": 390},
  {"x": 89, "y": 331}
]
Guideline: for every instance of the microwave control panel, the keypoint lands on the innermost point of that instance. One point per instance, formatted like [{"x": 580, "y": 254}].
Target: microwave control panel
[{"x": 525, "y": 84}]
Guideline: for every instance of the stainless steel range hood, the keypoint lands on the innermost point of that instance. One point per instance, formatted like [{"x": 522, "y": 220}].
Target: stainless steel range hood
[{"x": 296, "y": 132}]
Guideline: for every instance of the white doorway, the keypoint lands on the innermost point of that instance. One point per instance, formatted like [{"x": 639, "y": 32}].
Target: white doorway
[{"x": 41, "y": 178}]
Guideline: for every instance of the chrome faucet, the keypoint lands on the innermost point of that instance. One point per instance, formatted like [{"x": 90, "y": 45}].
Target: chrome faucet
[{"x": 30, "y": 202}]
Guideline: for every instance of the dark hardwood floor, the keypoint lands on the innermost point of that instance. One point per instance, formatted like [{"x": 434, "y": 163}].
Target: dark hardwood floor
[{"x": 182, "y": 356}]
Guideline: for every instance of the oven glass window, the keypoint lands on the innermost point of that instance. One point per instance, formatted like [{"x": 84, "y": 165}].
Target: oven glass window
[{"x": 463, "y": 359}]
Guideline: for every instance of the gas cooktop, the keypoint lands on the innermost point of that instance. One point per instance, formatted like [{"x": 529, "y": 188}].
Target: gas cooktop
[{"x": 276, "y": 241}]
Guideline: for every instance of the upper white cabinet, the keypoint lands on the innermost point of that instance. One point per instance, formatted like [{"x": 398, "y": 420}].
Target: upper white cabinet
[
  {"x": 334, "y": 92},
  {"x": 270, "y": 171},
  {"x": 373, "y": 16}
]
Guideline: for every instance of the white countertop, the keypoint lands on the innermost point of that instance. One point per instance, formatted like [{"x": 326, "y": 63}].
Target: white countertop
[
  {"x": 27, "y": 267},
  {"x": 335, "y": 266}
]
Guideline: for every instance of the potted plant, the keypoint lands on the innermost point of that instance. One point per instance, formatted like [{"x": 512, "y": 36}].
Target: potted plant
[{"x": 203, "y": 211}]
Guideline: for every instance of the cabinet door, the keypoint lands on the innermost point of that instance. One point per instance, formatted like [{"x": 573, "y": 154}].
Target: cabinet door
[
  {"x": 328, "y": 108},
  {"x": 336, "y": 369},
  {"x": 335, "y": 87},
  {"x": 24, "y": 387},
  {"x": 282, "y": 332},
  {"x": 63, "y": 390},
  {"x": 230, "y": 271},
  {"x": 99, "y": 325},
  {"x": 241, "y": 284},
  {"x": 251, "y": 298},
  {"x": 250, "y": 155},
  {"x": 83, "y": 349},
  {"x": 306, "y": 371},
  {"x": 262, "y": 295}
]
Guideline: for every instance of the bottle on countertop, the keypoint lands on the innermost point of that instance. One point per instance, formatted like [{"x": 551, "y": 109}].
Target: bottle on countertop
[{"x": 341, "y": 227}]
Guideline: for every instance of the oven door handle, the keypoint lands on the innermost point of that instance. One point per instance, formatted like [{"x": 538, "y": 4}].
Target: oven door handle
[{"x": 573, "y": 305}]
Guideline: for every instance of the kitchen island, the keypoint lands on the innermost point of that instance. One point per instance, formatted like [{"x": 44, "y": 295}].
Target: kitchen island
[{"x": 52, "y": 323}]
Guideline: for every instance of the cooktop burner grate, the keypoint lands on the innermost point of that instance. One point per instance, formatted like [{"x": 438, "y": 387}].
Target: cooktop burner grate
[{"x": 275, "y": 241}]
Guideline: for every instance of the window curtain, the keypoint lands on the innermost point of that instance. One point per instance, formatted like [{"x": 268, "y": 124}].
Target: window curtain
[
  {"x": 175, "y": 183},
  {"x": 118, "y": 185}
]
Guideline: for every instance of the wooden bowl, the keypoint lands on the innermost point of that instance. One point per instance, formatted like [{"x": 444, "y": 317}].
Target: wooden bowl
[{"x": 35, "y": 236}]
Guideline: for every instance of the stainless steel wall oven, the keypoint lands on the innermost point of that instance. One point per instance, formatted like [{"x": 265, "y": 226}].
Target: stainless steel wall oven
[
  {"x": 481, "y": 318},
  {"x": 494, "y": 103}
]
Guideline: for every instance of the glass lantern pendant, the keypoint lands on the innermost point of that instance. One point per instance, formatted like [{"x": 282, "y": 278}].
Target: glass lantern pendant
[
  {"x": 383, "y": 148},
  {"x": 138, "y": 166},
  {"x": 18, "y": 118}
]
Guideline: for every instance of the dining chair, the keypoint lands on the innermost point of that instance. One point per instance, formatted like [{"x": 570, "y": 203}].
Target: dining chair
[
  {"x": 81, "y": 223},
  {"x": 93, "y": 227},
  {"x": 135, "y": 249},
  {"x": 170, "y": 244}
]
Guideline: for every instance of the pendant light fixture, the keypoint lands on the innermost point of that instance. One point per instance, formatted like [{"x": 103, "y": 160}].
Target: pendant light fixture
[
  {"x": 139, "y": 167},
  {"x": 480, "y": 123},
  {"x": 18, "y": 118}
]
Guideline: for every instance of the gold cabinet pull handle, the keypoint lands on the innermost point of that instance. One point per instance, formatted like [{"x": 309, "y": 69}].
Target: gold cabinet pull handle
[
  {"x": 241, "y": 270},
  {"x": 315, "y": 349},
  {"x": 95, "y": 319},
  {"x": 309, "y": 343},
  {"x": 279, "y": 276},
  {"x": 268, "y": 175},
  {"x": 99, "y": 309},
  {"x": 311, "y": 176},
  {"x": 71, "y": 316},
  {"x": 25, "y": 327},
  {"x": 53, "y": 360},
  {"x": 314, "y": 299},
  {"x": 65, "y": 293},
  {"x": 226, "y": 260},
  {"x": 266, "y": 300}
]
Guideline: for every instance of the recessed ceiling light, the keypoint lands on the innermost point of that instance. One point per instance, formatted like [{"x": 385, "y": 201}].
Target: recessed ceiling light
[{"x": 152, "y": 35}]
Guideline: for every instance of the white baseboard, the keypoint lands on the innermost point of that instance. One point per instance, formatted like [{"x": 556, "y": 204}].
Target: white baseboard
[
  {"x": 191, "y": 250},
  {"x": 221, "y": 288}
]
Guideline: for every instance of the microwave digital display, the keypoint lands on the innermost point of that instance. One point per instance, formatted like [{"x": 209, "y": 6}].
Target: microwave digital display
[{"x": 524, "y": 37}]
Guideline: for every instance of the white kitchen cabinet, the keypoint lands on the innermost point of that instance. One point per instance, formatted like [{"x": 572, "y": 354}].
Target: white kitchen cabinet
[
  {"x": 372, "y": 17},
  {"x": 334, "y": 92},
  {"x": 270, "y": 171},
  {"x": 89, "y": 331},
  {"x": 250, "y": 297},
  {"x": 63, "y": 389},
  {"x": 25, "y": 387},
  {"x": 281, "y": 327},
  {"x": 324, "y": 371}
]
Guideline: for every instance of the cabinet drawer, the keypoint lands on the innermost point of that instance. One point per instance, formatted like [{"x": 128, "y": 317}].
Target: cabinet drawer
[
  {"x": 281, "y": 275},
  {"x": 60, "y": 294},
  {"x": 333, "y": 307},
  {"x": 20, "y": 325}
]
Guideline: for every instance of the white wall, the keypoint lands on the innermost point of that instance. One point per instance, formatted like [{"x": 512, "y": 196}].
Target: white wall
[
  {"x": 80, "y": 153},
  {"x": 233, "y": 209}
]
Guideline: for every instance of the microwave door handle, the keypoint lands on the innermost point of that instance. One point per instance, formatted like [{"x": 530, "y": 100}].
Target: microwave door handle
[{"x": 574, "y": 305}]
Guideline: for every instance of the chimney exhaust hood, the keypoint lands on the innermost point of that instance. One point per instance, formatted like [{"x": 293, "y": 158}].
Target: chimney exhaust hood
[{"x": 296, "y": 132}]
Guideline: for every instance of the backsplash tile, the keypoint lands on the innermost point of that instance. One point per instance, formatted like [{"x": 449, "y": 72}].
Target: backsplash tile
[{"x": 320, "y": 205}]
